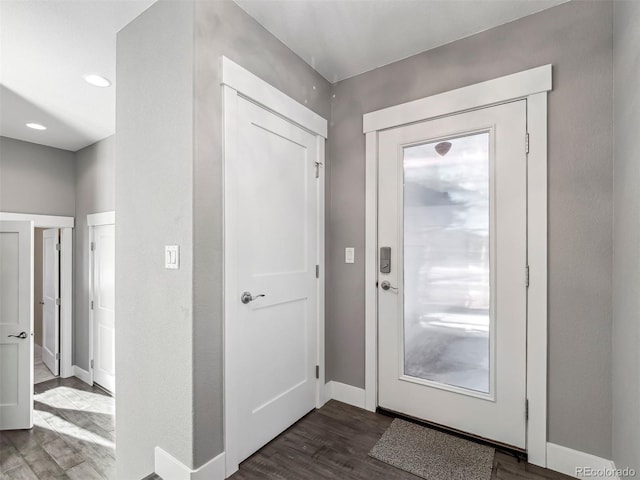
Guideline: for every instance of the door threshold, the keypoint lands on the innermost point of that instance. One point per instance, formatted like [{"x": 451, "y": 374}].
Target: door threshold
[
  {"x": 105, "y": 390},
  {"x": 501, "y": 447}
]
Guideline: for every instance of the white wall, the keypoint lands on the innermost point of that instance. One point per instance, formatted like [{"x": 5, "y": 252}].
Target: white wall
[{"x": 154, "y": 205}]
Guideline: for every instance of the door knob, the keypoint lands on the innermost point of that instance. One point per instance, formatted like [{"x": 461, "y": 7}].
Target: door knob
[
  {"x": 246, "y": 297},
  {"x": 387, "y": 286},
  {"x": 41, "y": 303},
  {"x": 22, "y": 335}
]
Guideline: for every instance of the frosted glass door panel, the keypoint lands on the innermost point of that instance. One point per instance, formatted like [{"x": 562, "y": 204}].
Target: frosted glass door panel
[{"x": 447, "y": 278}]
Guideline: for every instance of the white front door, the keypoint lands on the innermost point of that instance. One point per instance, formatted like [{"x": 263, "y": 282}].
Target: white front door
[
  {"x": 16, "y": 325},
  {"x": 50, "y": 300},
  {"x": 452, "y": 272},
  {"x": 272, "y": 217},
  {"x": 103, "y": 306}
]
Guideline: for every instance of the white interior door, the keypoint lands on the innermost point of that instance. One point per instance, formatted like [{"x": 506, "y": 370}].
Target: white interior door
[
  {"x": 103, "y": 306},
  {"x": 272, "y": 215},
  {"x": 51, "y": 300},
  {"x": 16, "y": 325},
  {"x": 452, "y": 296}
]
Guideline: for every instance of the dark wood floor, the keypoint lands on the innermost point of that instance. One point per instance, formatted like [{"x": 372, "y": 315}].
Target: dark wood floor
[
  {"x": 73, "y": 437},
  {"x": 333, "y": 443}
]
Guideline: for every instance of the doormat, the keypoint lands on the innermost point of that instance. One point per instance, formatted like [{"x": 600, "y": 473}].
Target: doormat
[{"x": 431, "y": 454}]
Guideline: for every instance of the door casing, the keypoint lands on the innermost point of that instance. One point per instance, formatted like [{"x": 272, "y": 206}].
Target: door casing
[
  {"x": 531, "y": 85},
  {"x": 66, "y": 225},
  {"x": 237, "y": 81}
]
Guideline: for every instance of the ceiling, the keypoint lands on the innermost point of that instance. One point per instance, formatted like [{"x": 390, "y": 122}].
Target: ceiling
[
  {"x": 45, "y": 49},
  {"x": 47, "y": 46},
  {"x": 342, "y": 38}
]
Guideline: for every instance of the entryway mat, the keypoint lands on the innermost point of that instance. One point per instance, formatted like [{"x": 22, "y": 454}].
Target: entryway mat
[{"x": 431, "y": 454}]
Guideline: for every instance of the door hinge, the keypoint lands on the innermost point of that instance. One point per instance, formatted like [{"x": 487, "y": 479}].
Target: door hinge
[
  {"x": 58, "y": 302},
  {"x": 526, "y": 276},
  {"x": 91, "y": 363},
  {"x": 526, "y": 409},
  {"x": 317, "y": 271},
  {"x": 93, "y": 246},
  {"x": 317, "y": 371},
  {"x": 318, "y": 165},
  {"x": 91, "y": 305},
  {"x": 526, "y": 143},
  {"x": 57, "y": 356},
  {"x": 58, "y": 247}
]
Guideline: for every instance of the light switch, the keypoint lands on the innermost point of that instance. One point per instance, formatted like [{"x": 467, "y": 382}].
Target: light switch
[
  {"x": 349, "y": 255},
  {"x": 172, "y": 257}
]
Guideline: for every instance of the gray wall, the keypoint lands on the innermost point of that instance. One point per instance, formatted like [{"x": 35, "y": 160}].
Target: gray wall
[
  {"x": 36, "y": 179},
  {"x": 223, "y": 28},
  {"x": 154, "y": 196},
  {"x": 576, "y": 38},
  {"x": 95, "y": 193},
  {"x": 626, "y": 265}
]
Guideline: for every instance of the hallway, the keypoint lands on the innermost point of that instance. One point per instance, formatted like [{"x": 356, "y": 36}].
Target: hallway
[{"x": 73, "y": 435}]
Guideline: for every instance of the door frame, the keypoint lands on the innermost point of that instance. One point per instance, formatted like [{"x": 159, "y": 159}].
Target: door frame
[
  {"x": 65, "y": 225},
  {"x": 531, "y": 85},
  {"x": 239, "y": 82},
  {"x": 94, "y": 220}
]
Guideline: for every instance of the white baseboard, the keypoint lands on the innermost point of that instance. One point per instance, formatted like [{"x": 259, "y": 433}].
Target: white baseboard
[
  {"x": 82, "y": 374},
  {"x": 579, "y": 464},
  {"x": 345, "y": 393},
  {"x": 170, "y": 468}
]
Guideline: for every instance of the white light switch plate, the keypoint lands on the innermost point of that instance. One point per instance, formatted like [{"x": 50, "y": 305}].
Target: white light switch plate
[
  {"x": 172, "y": 257},
  {"x": 349, "y": 255}
]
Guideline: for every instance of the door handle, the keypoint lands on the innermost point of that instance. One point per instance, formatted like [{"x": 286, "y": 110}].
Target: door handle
[
  {"x": 22, "y": 335},
  {"x": 387, "y": 286},
  {"x": 246, "y": 297},
  {"x": 41, "y": 303}
]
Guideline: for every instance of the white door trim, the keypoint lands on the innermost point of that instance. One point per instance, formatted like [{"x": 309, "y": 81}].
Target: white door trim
[
  {"x": 479, "y": 95},
  {"x": 236, "y": 81},
  {"x": 250, "y": 86},
  {"x": 533, "y": 86},
  {"x": 40, "y": 221},
  {"x": 65, "y": 224},
  {"x": 103, "y": 218},
  {"x": 94, "y": 220}
]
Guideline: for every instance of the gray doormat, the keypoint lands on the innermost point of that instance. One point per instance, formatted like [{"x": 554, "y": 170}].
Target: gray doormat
[{"x": 432, "y": 454}]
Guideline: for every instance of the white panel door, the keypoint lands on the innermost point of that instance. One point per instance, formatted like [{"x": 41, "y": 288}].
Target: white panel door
[
  {"x": 273, "y": 217},
  {"x": 452, "y": 288},
  {"x": 50, "y": 300},
  {"x": 103, "y": 301},
  {"x": 16, "y": 325}
]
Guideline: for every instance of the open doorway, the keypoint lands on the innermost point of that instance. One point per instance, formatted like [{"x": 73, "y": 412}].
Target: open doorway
[{"x": 46, "y": 307}]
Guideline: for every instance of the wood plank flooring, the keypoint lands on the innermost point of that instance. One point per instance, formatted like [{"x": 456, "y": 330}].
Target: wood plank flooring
[
  {"x": 73, "y": 437},
  {"x": 333, "y": 443}
]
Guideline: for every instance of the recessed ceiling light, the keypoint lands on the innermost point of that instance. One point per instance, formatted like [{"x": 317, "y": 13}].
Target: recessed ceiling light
[
  {"x": 36, "y": 126},
  {"x": 97, "y": 80}
]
